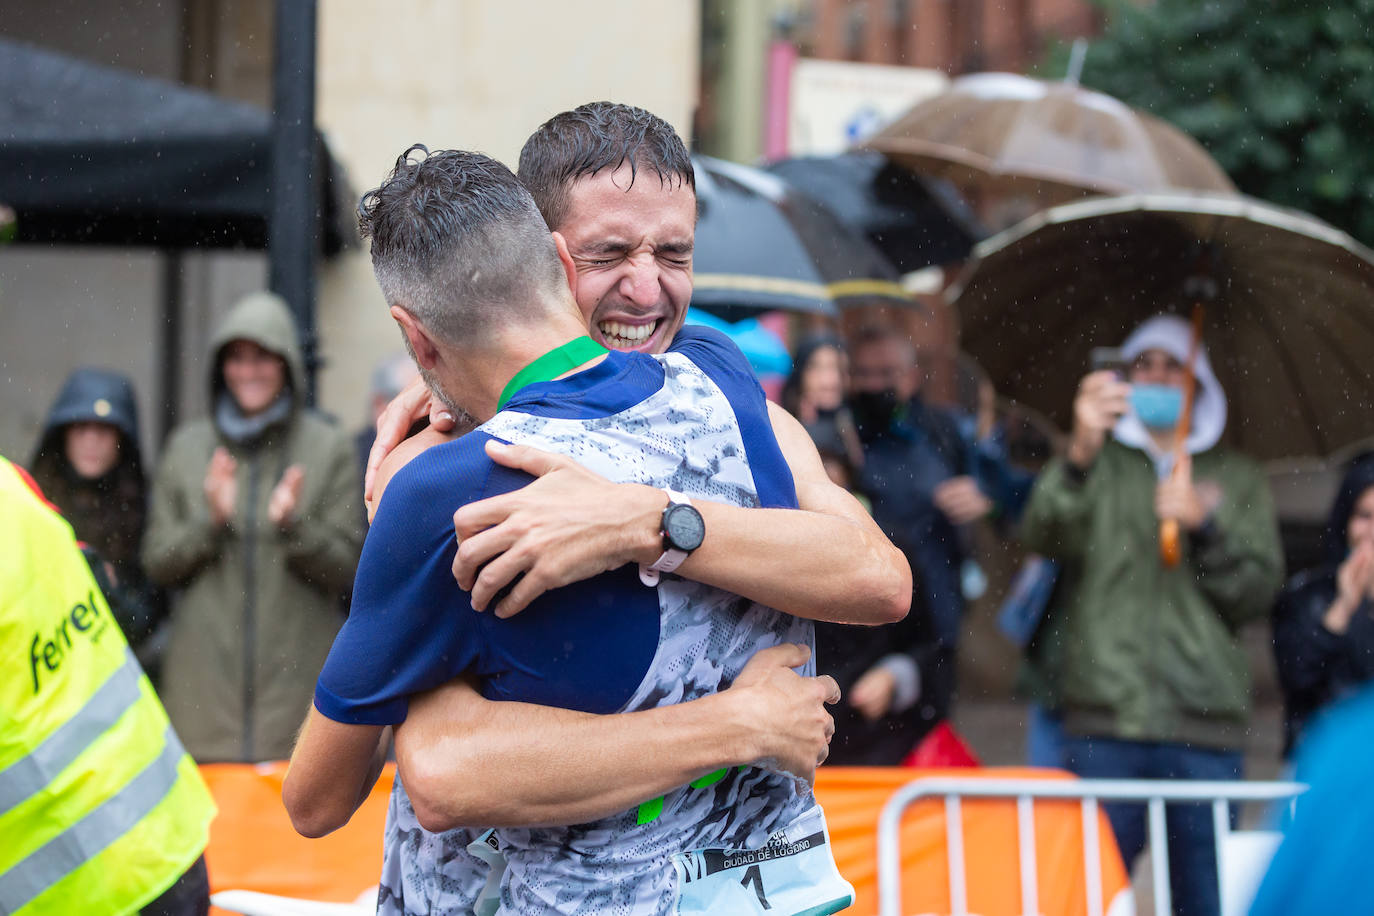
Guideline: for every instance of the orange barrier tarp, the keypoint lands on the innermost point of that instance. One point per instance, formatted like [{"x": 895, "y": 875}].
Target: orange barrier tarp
[
  {"x": 853, "y": 798},
  {"x": 253, "y": 846}
]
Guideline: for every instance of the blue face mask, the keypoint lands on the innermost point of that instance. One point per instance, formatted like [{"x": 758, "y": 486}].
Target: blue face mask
[{"x": 1157, "y": 406}]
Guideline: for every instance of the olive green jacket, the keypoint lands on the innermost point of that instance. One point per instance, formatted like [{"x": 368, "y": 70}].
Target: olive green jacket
[
  {"x": 1134, "y": 650},
  {"x": 257, "y": 606}
]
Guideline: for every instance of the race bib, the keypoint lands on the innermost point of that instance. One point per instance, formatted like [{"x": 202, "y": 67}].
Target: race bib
[
  {"x": 792, "y": 874},
  {"x": 488, "y": 850}
]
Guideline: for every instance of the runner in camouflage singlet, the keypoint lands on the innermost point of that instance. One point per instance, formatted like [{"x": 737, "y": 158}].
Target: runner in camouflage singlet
[{"x": 701, "y": 429}]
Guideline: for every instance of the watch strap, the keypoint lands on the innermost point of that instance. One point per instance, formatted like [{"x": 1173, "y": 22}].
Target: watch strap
[{"x": 671, "y": 558}]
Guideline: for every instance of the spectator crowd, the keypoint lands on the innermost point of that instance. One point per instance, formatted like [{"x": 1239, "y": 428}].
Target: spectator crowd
[{"x": 229, "y": 569}]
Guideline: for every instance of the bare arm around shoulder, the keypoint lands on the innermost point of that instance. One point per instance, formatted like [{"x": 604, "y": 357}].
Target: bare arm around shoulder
[
  {"x": 333, "y": 768},
  {"x": 465, "y": 760},
  {"x": 828, "y": 561}
]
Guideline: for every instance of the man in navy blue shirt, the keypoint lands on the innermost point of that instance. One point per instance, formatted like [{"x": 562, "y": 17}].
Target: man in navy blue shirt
[
  {"x": 610, "y": 180},
  {"x": 479, "y": 289}
]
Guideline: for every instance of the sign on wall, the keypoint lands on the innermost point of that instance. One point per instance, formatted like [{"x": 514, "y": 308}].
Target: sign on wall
[{"x": 835, "y": 104}]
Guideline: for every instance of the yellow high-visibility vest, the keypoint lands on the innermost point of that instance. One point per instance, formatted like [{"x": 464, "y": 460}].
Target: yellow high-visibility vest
[{"x": 101, "y": 809}]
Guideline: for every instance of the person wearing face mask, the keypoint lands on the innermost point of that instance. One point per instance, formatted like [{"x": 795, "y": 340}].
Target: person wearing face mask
[
  {"x": 255, "y": 521},
  {"x": 924, "y": 478},
  {"x": 89, "y": 464},
  {"x": 1151, "y": 679},
  {"x": 1324, "y": 617},
  {"x": 878, "y": 668}
]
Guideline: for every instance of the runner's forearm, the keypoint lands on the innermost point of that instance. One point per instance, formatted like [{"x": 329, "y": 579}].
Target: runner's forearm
[
  {"x": 467, "y": 761},
  {"x": 828, "y": 562},
  {"x": 810, "y": 564},
  {"x": 332, "y": 770}
]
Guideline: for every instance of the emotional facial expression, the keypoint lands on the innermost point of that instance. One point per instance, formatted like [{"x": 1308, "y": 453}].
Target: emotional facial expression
[
  {"x": 92, "y": 448},
  {"x": 254, "y": 376},
  {"x": 631, "y": 245}
]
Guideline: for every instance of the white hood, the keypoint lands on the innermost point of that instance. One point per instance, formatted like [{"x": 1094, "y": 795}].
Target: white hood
[{"x": 1172, "y": 335}]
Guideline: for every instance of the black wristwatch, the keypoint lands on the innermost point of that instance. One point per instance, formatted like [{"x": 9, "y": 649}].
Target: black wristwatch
[{"x": 683, "y": 530}]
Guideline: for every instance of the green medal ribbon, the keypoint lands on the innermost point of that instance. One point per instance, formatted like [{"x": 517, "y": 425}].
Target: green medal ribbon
[{"x": 552, "y": 364}]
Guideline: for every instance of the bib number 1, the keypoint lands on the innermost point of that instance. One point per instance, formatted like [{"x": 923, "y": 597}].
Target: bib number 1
[
  {"x": 754, "y": 876},
  {"x": 792, "y": 874}
]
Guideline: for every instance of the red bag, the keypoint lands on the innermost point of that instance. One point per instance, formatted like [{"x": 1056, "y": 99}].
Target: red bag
[{"x": 942, "y": 747}]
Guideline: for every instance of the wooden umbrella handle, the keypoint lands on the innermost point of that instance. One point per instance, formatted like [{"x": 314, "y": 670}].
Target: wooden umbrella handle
[
  {"x": 1170, "y": 542},
  {"x": 1170, "y": 548}
]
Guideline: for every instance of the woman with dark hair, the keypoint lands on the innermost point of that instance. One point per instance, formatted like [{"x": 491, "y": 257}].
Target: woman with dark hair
[
  {"x": 89, "y": 465},
  {"x": 1324, "y": 617},
  {"x": 814, "y": 393}
]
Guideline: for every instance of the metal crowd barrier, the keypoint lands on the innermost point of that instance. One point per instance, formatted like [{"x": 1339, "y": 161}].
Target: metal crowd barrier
[{"x": 1088, "y": 792}]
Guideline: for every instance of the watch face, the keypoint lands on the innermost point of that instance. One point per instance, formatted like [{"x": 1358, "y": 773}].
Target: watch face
[{"x": 683, "y": 527}]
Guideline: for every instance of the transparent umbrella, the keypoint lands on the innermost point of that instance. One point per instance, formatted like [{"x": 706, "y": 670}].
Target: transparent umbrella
[
  {"x": 1051, "y": 141},
  {"x": 1289, "y": 304}
]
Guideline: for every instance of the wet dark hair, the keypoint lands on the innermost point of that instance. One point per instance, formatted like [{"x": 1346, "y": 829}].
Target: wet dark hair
[
  {"x": 458, "y": 242},
  {"x": 596, "y": 137},
  {"x": 1359, "y": 477},
  {"x": 791, "y": 389}
]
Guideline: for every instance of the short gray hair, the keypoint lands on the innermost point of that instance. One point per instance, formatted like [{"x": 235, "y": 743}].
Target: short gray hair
[{"x": 458, "y": 242}]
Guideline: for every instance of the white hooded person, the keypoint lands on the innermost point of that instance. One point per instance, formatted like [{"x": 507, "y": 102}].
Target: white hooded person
[
  {"x": 1156, "y": 355},
  {"x": 1145, "y": 664}
]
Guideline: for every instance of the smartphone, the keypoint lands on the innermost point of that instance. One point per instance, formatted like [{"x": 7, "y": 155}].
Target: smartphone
[{"x": 1109, "y": 359}]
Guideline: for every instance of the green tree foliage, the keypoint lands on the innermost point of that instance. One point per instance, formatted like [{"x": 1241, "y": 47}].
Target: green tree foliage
[{"x": 1280, "y": 92}]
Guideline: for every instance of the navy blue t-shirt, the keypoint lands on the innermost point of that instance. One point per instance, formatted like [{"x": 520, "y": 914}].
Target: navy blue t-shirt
[{"x": 585, "y": 646}]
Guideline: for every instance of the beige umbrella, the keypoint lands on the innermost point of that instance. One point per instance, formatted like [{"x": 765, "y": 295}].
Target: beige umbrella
[
  {"x": 1055, "y": 142},
  {"x": 1289, "y": 305}
]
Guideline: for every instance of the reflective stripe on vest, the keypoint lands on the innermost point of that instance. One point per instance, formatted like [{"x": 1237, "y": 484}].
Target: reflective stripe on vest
[
  {"x": 28, "y": 775},
  {"x": 101, "y": 808},
  {"x": 69, "y": 850}
]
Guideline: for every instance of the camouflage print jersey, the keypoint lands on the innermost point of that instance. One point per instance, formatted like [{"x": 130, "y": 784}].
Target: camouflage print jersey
[{"x": 705, "y": 433}]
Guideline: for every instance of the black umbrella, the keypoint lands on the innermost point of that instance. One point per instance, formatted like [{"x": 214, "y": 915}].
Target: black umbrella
[
  {"x": 761, "y": 245},
  {"x": 92, "y": 154},
  {"x": 914, "y": 221}
]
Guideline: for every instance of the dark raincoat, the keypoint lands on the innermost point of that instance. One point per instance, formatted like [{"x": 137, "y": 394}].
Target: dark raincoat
[
  {"x": 1317, "y": 667},
  {"x": 107, "y": 513}
]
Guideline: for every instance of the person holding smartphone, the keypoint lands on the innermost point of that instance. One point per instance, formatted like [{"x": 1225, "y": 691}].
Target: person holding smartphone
[{"x": 1144, "y": 659}]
